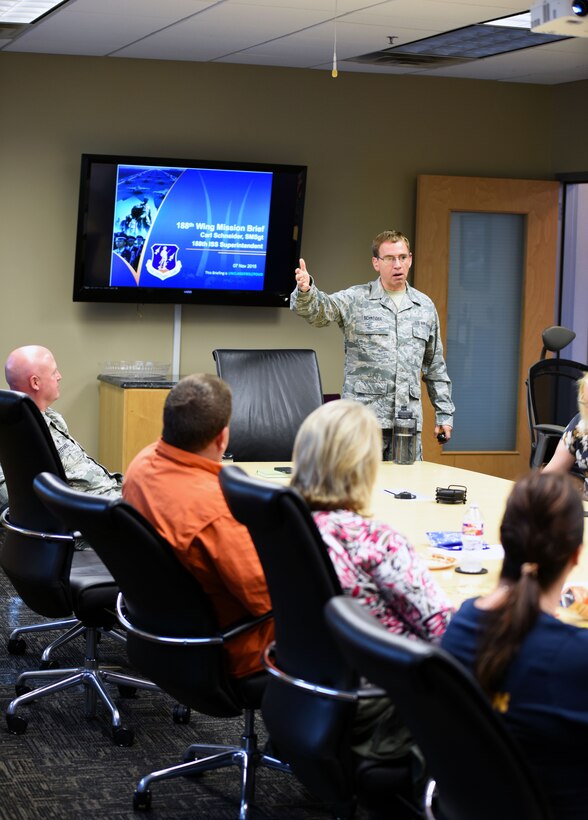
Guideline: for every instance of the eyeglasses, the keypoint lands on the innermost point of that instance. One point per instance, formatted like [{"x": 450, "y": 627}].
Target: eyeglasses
[{"x": 390, "y": 259}]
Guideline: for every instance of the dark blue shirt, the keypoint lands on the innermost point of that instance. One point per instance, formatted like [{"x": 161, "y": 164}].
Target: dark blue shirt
[{"x": 544, "y": 701}]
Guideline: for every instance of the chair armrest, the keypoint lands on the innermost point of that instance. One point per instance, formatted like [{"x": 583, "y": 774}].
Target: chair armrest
[
  {"x": 161, "y": 639},
  {"x": 210, "y": 640},
  {"x": 550, "y": 429},
  {"x": 346, "y": 695},
  {"x": 42, "y": 536},
  {"x": 544, "y": 433}
]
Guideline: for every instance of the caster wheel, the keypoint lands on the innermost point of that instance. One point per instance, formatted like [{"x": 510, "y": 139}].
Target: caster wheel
[
  {"x": 127, "y": 691},
  {"x": 142, "y": 801},
  {"x": 16, "y": 646},
  {"x": 22, "y": 689},
  {"x": 16, "y": 725},
  {"x": 181, "y": 713},
  {"x": 123, "y": 736}
]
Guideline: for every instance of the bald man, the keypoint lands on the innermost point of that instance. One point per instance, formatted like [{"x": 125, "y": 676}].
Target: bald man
[{"x": 33, "y": 370}]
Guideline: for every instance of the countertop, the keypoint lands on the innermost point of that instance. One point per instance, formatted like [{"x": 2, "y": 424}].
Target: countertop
[{"x": 138, "y": 382}]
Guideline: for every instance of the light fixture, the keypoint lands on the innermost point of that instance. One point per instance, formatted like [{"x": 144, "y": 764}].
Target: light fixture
[
  {"x": 580, "y": 8},
  {"x": 334, "y": 70},
  {"x": 26, "y": 11}
]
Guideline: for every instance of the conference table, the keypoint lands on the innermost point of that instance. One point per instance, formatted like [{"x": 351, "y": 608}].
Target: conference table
[{"x": 417, "y": 516}]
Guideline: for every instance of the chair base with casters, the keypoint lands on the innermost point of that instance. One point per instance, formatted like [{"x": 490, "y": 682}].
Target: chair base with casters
[
  {"x": 91, "y": 677},
  {"x": 93, "y": 591},
  {"x": 16, "y": 644},
  {"x": 200, "y": 758}
]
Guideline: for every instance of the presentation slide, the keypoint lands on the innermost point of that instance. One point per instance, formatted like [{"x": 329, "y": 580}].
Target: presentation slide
[{"x": 190, "y": 228}]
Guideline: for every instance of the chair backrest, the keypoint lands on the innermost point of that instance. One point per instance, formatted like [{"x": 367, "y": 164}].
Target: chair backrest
[
  {"x": 479, "y": 769},
  {"x": 161, "y": 597},
  {"x": 553, "y": 390},
  {"x": 311, "y": 732},
  {"x": 552, "y": 393},
  {"x": 273, "y": 392},
  {"x": 26, "y": 449},
  {"x": 38, "y": 568}
]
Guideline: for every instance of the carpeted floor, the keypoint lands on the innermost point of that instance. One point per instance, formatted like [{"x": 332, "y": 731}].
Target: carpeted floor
[{"x": 65, "y": 766}]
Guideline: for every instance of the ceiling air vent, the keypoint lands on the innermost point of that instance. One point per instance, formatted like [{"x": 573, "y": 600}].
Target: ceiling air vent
[{"x": 406, "y": 60}]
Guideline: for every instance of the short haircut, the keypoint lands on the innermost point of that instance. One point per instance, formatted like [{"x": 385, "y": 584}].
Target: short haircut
[
  {"x": 336, "y": 456},
  {"x": 388, "y": 236},
  {"x": 196, "y": 410}
]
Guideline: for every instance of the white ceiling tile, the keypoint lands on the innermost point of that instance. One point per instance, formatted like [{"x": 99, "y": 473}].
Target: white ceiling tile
[{"x": 294, "y": 33}]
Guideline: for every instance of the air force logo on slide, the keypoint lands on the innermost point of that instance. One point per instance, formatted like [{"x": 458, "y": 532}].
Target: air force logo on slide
[{"x": 164, "y": 261}]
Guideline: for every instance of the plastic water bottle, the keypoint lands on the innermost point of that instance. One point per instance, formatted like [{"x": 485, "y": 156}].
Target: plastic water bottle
[{"x": 472, "y": 540}]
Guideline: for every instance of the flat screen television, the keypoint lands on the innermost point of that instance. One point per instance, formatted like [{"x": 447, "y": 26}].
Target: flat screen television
[{"x": 187, "y": 231}]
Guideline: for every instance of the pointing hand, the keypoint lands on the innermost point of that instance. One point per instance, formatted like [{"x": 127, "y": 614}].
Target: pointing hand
[{"x": 302, "y": 277}]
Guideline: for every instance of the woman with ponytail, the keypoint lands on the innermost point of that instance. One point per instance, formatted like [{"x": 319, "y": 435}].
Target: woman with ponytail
[{"x": 532, "y": 666}]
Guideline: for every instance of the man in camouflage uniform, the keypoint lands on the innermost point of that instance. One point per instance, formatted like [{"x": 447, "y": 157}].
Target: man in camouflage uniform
[
  {"x": 33, "y": 370},
  {"x": 391, "y": 337}
]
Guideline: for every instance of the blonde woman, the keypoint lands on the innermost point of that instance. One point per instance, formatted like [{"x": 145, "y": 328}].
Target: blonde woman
[
  {"x": 573, "y": 445},
  {"x": 336, "y": 457}
]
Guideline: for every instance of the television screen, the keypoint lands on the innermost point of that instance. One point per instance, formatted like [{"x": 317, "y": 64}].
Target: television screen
[{"x": 187, "y": 231}]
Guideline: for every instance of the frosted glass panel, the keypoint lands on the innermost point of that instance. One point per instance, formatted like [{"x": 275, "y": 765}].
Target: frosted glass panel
[
  {"x": 486, "y": 256},
  {"x": 575, "y": 265}
]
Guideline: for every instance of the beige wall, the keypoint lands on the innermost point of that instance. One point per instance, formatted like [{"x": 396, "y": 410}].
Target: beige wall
[{"x": 364, "y": 138}]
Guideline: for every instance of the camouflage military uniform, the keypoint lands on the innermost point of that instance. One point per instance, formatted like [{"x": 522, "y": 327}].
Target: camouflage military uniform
[
  {"x": 82, "y": 472},
  {"x": 386, "y": 348}
]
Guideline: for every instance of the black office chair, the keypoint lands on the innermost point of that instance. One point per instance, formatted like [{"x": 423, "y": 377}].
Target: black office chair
[
  {"x": 172, "y": 633},
  {"x": 478, "y": 768},
  {"x": 52, "y": 579},
  {"x": 311, "y": 699},
  {"x": 273, "y": 392},
  {"x": 552, "y": 395},
  {"x": 26, "y": 448}
]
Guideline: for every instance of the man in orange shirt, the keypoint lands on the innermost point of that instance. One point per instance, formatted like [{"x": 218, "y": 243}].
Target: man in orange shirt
[{"x": 174, "y": 484}]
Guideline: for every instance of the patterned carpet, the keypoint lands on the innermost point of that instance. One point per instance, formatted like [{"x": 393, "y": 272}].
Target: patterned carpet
[{"x": 65, "y": 766}]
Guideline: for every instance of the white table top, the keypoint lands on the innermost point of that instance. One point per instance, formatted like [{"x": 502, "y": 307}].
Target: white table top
[{"x": 415, "y": 517}]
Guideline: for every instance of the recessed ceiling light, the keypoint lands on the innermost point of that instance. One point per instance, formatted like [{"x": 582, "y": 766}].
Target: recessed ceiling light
[{"x": 26, "y": 11}]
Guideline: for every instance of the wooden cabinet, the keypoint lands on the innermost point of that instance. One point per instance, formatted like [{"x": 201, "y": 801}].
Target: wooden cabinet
[{"x": 131, "y": 417}]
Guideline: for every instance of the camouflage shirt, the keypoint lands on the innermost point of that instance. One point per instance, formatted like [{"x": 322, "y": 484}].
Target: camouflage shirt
[
  {"x": 82, "y": 472},
  {"x": 386, "y": 348}
]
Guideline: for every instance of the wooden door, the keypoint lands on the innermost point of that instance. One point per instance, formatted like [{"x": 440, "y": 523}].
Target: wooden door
[{"x": 537, "y": 200}]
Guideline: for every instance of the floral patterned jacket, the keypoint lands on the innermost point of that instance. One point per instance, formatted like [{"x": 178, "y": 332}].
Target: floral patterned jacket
[{"x": 378, "y": 567}]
